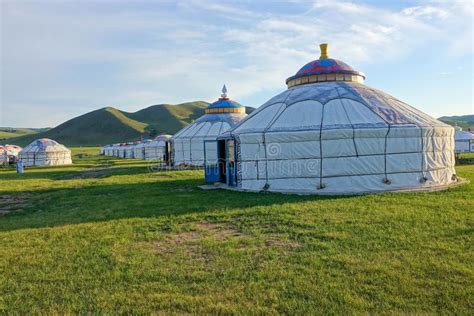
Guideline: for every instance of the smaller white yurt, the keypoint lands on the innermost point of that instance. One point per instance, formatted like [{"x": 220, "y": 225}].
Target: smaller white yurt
[
  {"x": 108, "y": 150},
  {"x": 45, "y": 152},
  {"x": 129, "y": 150},
  {"x": 121, "y": 149},
  {"x": 187, "y": 145},
  {"x": 158, "y": 149},
  {"x": 139, "y": 149},
  {"x": 113, "y": 151},
  {"x": 3, "y": 156},
  {"x": 9, "y": 153},
  {"x": 463, "y": 141}
]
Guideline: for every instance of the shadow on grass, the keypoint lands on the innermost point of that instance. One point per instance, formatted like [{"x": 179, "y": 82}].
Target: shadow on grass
[{"x": 165, "y": 197}]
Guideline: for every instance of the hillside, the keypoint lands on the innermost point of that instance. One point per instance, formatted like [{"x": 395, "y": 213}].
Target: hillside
[
  {"x": 464, "y": 121},
  {"x": 110, "y": 125},
  {"x": 12, "y": 132}
]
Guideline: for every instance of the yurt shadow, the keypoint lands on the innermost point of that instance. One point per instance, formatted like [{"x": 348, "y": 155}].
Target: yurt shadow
[{"x": 169, "y": 197}]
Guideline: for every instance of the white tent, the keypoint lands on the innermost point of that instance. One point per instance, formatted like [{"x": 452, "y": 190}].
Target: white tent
[
  {"x": 139, "y": 149},
  {"x": 129, "y": 150},
  {"x": 114, "y": 150},
  {"x": 331, "y": 134},
  {"x": 464, "y": 141},
  {"x": 9, "y": 153},
  {"x": 187, "y": 145},
  {"x": 45, "y": 152},
  {"x": 158, "y": 149},
  {"x": 121, "y": 150}
]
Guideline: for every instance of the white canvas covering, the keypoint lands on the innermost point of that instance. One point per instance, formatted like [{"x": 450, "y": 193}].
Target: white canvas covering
[
  {"x": 9, "y": 153},
  {"x": 45, "y": 152},
  {"x": 341, "y": 138},
  {"x": 129, "y": 150},
  {"x": 156, "y": 149},
  {"x": 188, "y": 143},
  {"x": 464, "y": 141},
  {"x": 139, "y": 149}
]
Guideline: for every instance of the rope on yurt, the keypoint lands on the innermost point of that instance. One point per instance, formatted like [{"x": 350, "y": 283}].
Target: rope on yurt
[
  {"x": 348, "y": 118},
  {"x": 386, "y": 180},
  {"x": 410, "y": 112},
  {"x": 275, "y": 117},
  {"x": 365, "y": 103},
  {"x": 321, "y": 185}
]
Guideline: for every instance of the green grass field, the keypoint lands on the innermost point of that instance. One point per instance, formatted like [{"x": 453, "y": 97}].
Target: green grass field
[{"x": 109, "y": 236}]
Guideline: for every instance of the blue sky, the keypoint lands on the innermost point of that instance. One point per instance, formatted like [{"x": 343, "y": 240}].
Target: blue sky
[{"x": 60, "y": 59}]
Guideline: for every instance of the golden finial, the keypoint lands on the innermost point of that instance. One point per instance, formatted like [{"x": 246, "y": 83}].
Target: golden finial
[{"x": 324, "y": 50}]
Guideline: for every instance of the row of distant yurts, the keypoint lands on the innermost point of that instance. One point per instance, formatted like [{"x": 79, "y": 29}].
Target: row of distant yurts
[{"x": 328, "y": 133}]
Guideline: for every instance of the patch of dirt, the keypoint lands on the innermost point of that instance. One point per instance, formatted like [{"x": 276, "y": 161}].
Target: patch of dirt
[
  {"x": 90, "y": 174},
  {"x": 283, "y": 244},
  {"x": 9, "y": 203},
  {"x": 193, "y": 243}
]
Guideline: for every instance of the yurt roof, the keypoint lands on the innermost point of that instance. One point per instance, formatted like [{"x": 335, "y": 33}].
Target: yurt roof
[
  {"x": 224, "y": 105},
  {"x": 325, "y": 69},
  {"x": 351, "y": 105},
  {"x": 163, "y": 137},
  {"x": 220, "y": 116},
  {"x": 45, "y": 144},
  {"x": 463, "y": 135}
]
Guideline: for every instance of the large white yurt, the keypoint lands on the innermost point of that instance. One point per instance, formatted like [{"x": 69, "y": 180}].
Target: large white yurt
[
  {"x": 45, "y": 152},
  {"x": 187, "y": 145},
  {"x": 139, "y": 149},
  {"x": 158, "y": 149},
  {"x": 329, "y": 133},
  {"x": 9, "y": 153},
  {"x": 464, "y": 141}
]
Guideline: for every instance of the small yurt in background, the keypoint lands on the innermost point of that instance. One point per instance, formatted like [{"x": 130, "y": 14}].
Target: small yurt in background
[
  {"x": 3, "y": 156},
  {"x": 187, "y": 145},
  {"x": 464, "y": 141},
  {"x": 45, "y": 152},
  {"x": 139, "y": 149},
  {"x": 158, "y": 149},
  {"x": 329, "y": 133},
  {"x": 121, "y": 149},
  {"x": 129, "y": 149},
  {"x": 9, "y": 153}
]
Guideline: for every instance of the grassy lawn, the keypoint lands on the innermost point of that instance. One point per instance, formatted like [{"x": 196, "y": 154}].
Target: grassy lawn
[{"x": 107, "y": 235}]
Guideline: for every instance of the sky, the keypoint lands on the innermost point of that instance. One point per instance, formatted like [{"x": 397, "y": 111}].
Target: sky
[{"x": 60, "y": 59}]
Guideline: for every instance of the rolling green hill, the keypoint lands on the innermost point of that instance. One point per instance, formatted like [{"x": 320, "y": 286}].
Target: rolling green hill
[
  {"x": 12, "y": 132},
  {"x": 110, "y": 125},
  {"x": 463, "y": 121}
]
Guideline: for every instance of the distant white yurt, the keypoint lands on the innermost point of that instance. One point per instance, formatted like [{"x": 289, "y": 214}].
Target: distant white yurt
[
  {"x": 45, "y": 152},
  {"x": 139, "y": 149},
  {"x": 114, "y": 150},
  {"x": 187, "y": 145},
  {"x": 331, "y": 134},
  {"x": 129, "y": 150},
  {"x": 108, "y": 150},
  {"x": 9, "y": 153},
  {"x": 464, "y": 141},
  {"x": 158, "y": 149},
  {"x": 121, "y": 150}
]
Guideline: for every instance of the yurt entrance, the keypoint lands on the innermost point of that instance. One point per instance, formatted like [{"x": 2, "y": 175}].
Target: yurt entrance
[
  {"x": 220, "y": 161},
  {"x": 167, "y": 154}
]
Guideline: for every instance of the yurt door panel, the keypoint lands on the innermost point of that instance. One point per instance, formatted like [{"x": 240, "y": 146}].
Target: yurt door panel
[{"x": 230, "y": 163}]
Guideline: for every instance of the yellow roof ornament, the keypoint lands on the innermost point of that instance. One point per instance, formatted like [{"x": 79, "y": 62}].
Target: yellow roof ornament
[{"x": 324, "y": 50}]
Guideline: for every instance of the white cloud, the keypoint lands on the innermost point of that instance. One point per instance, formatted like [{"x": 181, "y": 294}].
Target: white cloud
[{"x": 74, "y": 57}]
